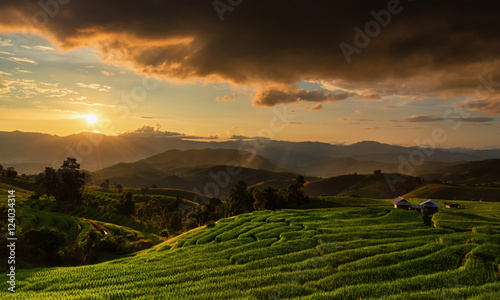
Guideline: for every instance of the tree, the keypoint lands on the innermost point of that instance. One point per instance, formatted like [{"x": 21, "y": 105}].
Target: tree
[
  {"x": 105, "y": 184},
  {"x": 126, "y": 204},
  {"x": 273, "y": 199},
  {"x": 11, "y": 172},
  {"x": 119, "y": 188},
  {"x": 1, "y": 171},
  {"x": 294, "y": 195},
  {"x": 149, "y": 209},
  {"x": 43, "y": 245},
  {"x": 71, "y": 181},
  {"x": 240, "y": 200},
  {"x": 260, "y": 200},
  {"x": 48, "y": 182},
  {"x": 174, "y": 220}
]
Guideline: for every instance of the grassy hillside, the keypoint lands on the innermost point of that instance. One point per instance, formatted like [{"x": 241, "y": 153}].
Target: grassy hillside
[
  {"x": 369, "y": 186},
  {"x": 347, "y": 165},
  {"x": 331, "y": 186},
  {"x": 54, "y": 233},
  {"x": 197, "y": 178},
  {"x": 176, "y": 165},
  {"x": 442, "y": 191},
  {"x": 474, "y": 172},
  {"x": 372, "y": 252}
]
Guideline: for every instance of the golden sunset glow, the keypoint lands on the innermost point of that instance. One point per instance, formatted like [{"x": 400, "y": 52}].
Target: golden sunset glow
[{"x": 91, "y": 119}]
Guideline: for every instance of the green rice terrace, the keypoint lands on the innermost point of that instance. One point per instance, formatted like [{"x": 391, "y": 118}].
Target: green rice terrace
[{"x": 353, "y": 249}]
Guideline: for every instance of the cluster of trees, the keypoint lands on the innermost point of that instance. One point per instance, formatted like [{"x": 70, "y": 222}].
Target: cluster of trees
[
  {"x": 10, "y": 172},
  {"x": 242, "y": 199},
  {"x": 65, "y": 183}
]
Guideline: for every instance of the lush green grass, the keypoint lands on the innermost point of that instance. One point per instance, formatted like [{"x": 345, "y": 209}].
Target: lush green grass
[
  {"x": 442, "y": 191},
  {"x": 341, "y": 253}
]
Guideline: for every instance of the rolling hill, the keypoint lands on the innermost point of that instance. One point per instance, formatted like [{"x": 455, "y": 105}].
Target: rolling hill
[
  {"x": 442, "y": 191},
  {"x": 474, "y": 172},
  {"x": 31, "y": 152},
  {"x": 345, "y": 253},
  {"x": 342, "y": 166},
  {"x": 381, "y": 186},
  {"x": 203, "y": 180},
  {"x": 206, "y": 170}
]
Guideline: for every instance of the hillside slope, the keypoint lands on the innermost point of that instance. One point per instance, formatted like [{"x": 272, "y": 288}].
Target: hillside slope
[
  {"x": 484, "y": 171},
  {"x": 382, "y": 186},
  {"x": 30, "y": 152},
  {"x": 215, "y": 180},
  {"x": 441, "y": 191},
  {"x": 346, "y": 253},
  {"x": 176, "y": 162}
]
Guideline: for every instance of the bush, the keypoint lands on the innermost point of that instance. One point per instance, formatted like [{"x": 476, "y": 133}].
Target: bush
[{"x": 210, "y": 223}]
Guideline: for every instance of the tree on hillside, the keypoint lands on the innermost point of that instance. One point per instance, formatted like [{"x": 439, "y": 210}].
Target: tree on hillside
[
  {"x": 273, "y": 199},
  {"x": 212, "y": 210},
  {"x": 119, "y": 188},
  {"x": 11, "y": 172},
  {"x": 294, "y": 195},
  {"x": 47, "y": 182},
  {"x": 43, "y": 246},
  {"x": 260, "y": 200},
  {"x": 66, "y": 183},
  {"x": 174, "y": 220},
  {"x": 240, "y": 200},
  {"x": 126, "y": 204},
  {"x": 71, "y": 181},
  {"x": 105, "y": 184},
  {"x": 1, "y": 171}
]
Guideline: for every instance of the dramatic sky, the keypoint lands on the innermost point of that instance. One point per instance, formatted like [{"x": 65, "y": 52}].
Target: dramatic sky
[{"x": 332, "y": 71}]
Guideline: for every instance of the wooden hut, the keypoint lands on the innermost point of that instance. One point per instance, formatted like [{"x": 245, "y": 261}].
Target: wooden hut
[
  {"x": 429, "y": 206},
  {"x": 401, "y": 203},
  {"x": 451, "y": 205}
]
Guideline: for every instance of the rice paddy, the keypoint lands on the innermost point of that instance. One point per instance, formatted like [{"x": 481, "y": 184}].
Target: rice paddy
[{"x": 340, "y": 253}]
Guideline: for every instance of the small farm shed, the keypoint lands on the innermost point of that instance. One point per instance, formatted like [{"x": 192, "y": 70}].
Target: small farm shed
[
  {"x": 429, "y": 206},
  {"x": 401, "y": 203},
  {"x": 451, "y": 205}
]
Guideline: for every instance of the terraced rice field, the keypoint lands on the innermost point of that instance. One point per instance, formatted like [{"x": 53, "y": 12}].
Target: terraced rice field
[{"x": 342, "y": 253}]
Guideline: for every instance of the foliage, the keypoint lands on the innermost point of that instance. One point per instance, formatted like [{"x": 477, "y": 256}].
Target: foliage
[
  {"x": 66, "y": 184},
  {"x": 240, "y": 200},
  {"x": 126, "y": 204},
  {"x": 341, "y": 253}
]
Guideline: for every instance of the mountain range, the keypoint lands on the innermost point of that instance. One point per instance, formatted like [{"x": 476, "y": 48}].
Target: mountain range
[{"x": 31, "y": 152}]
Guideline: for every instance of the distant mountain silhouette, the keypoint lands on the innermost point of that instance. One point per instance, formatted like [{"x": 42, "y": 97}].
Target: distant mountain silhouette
[
  {"x": 191, "y": 169},
  {"x": 31, "y": 152}
]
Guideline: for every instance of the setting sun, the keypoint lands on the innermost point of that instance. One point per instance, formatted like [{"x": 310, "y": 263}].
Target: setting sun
[
  {"x": 230, "y": 149},
  {"x": 91, "y": 119}
]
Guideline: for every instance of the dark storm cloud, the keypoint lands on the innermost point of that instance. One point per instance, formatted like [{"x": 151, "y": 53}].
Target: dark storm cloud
[
  {"x": 427, "y": 49},
  {"x": 272, "y": 97}
]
